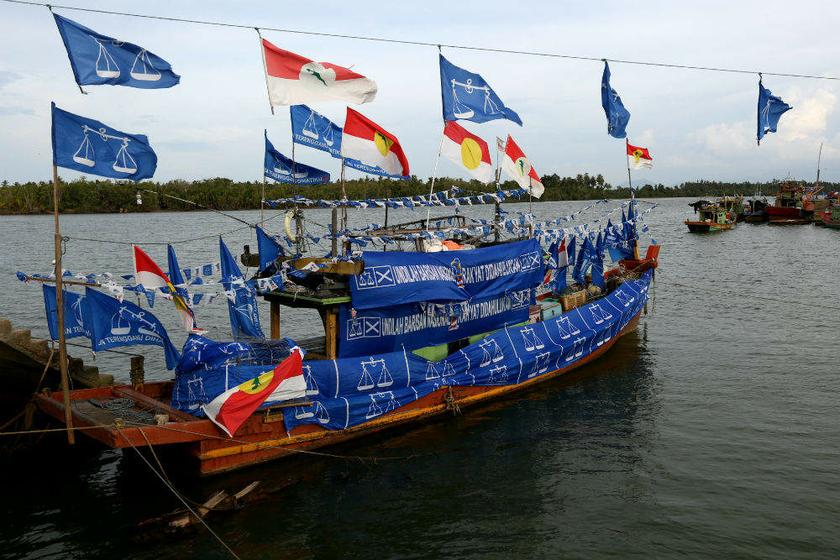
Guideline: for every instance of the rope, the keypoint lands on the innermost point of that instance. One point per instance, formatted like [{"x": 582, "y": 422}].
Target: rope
[
  {"x": 50, "y": 430},
  {"x": 436, "y": 45},
  {"x": 358, "y": 458},
  {"x": 190, "y": 240},
  {"x": 179, "y": 199},
  {"x": 180, "y": 498}
]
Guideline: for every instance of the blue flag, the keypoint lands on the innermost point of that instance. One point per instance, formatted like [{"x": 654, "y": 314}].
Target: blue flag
[
  {"x": 598, "y": 263},
  {"x": 74, "y": 324},
  {"x": 310, "y": 128},
  {"x": 91, "y": 147},
  {"x": 466, "y": 96},
  {"x": 176, "y": 275},
  {"x": 97, "y": 59},
  {"x": 770, "y": 110},
  {"x": 268, "y": 247},
  {"x": 584, "y": 260},
  {"x": 617, "y": 115},
  {"x": 284, "y": 170},
  {"x": 113, "y": 323},
  {"x": 242, "y": 302}
]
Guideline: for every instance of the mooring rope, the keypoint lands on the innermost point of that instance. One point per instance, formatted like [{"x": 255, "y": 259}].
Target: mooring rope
[{"x": 178, "y": 495}]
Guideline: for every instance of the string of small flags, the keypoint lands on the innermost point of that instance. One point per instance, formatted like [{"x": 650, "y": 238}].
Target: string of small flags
[{"x": 442, "y": 198}]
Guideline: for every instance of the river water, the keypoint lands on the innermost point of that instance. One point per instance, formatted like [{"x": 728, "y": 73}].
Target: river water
[{"x": 713, "y": 431}]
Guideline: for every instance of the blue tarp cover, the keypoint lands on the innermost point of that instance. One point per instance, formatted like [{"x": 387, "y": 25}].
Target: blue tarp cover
[{"x": 350, "y": 391}]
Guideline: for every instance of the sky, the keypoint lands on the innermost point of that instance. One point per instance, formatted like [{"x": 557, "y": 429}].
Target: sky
[{"x": 697, "y": 124}]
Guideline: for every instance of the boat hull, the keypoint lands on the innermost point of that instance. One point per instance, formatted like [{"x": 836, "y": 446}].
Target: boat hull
[
  {"x": 264, "y": 437},
  {"x": 706, "y": 227},
  {"x": 783, "y": 212}
]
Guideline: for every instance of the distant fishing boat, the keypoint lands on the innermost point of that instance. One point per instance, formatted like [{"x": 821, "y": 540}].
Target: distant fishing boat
[
  {"x": 734, "y": 205},
  {"x": 796, "y": 204},
  {"x": 755, "y": 210},
  {"x": 710, "y": 217},
  {"x": 830, "y": 217}
]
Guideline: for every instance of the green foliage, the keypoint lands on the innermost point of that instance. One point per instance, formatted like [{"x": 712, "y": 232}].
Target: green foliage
[{"x": 99, "y": 196}]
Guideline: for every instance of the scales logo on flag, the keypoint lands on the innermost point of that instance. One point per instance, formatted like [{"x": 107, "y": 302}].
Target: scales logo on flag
[
  {"x": 92, "y": 147},
  {"x": 467, "y": 96},
  {"x": 97, "y": 59}
]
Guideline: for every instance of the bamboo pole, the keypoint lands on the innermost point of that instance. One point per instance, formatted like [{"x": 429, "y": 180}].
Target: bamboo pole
[
  {"x": 632, "y": 194},
  {"x": 434, "y": 177},
  {"x": 59, "y": 303},
  {"x": 265, "y": 68}
]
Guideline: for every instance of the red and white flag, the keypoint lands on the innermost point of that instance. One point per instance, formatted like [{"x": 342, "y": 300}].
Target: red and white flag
[
  {"x": 369, "y": 143},
  {"x": 519, "y": 168},
  {"x": 562, "y": 255},
  {"x": 467, "y": 150},
  {"x": 285, "y": 382},
  {"x": 148, "y": 274},
  {"x": 638, "y": 158},
  {"x": 294, "y": 79}
]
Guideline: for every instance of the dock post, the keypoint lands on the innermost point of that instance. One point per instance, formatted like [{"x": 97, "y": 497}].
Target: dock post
[
  {"x": 59, "y": 303},
  {"x": 274, "y": 320},
  {"x": 138, "y": 372}
]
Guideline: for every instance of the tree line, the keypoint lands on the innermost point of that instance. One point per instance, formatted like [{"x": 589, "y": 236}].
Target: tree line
[{"x": 85, "y": 196}]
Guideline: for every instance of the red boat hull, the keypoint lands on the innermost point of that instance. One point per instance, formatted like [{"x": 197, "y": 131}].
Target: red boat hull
[{"x": 783, "y": 212}]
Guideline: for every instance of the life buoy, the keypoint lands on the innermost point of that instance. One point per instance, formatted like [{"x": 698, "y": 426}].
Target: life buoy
[{"x": 287, "y": 225}]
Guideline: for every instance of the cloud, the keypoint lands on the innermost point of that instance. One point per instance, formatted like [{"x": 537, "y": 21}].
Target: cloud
[{"x": 809, "y": 118}]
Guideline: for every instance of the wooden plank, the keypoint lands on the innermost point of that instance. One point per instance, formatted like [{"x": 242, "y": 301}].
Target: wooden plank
[
  {"x": 331, "y": 331},
  {"x": 154, "y": 404},
  {"x": 275, "y": 319}
]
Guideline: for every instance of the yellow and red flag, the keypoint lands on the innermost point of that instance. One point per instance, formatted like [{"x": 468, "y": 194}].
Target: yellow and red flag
[
  {"x": 369, "y": 143},
  {"x": 638, "y": 158},
  {"x": 285, "y": 382},
  {"x": 468, "y": 150}
]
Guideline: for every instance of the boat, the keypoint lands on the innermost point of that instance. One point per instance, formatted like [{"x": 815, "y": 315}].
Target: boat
[
  {"x": 755, "y": 209},
  {"x": 710, "y": 217},
  {"x": 361, "y": 378},
  {"x": 789, "y": 208},
  {"x": 830, "y": 217},
  {"x": 734, "y": 205}
]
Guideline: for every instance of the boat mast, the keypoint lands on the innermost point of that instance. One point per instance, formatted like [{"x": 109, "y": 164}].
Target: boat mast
[
  {"x": 819, "y": 158},
  {"x": 59, "y": 303}
]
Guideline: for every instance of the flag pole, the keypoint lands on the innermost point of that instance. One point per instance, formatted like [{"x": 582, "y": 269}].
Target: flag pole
[
  {"x": 265, "y": 69},
  {"x": 498, "y": 215},
  {"x": 434, "y": 177},
  {"x": 632, "y": 194},
  {"x": 343, "y": 200},
  {"x": 59, "y": 303}
]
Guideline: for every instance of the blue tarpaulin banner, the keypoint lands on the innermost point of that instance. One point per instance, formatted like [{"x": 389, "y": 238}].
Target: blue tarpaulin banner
[
  {"x": 466, "y": 96},
  {"x": 74, "y": 323},
  {"x": 284, "y": 170},
  {"x": 112, "y": 323},
  {"x": 310, "y": 128},
  {"x": 99, "y": 59},
  {"x": 617, "y": 115},
  {"x": 347, "y": 392},
  {"x": 242, "y": 301},
  {"x": 770, "y": 110},
  {"x": 393, "y": 278},
  {"x": 203, "y": 368},
  {"x": 92, "y": 147},
  {"x": 375, "y": 331}
]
